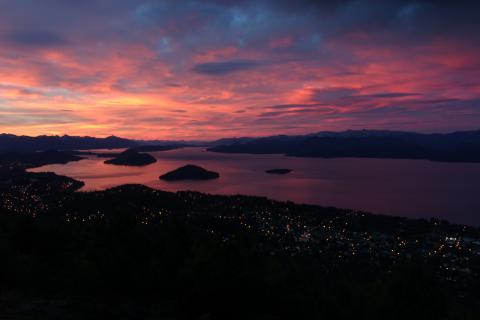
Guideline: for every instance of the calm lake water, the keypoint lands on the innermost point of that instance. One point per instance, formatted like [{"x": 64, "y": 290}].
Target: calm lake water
[{"x": 410, "y": 188}]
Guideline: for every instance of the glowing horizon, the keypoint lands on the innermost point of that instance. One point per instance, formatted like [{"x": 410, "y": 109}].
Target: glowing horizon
[{"x": 212, "y": 69}]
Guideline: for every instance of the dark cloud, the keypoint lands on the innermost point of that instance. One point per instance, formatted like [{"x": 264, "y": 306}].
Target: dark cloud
[
  {"x": 36, "y": 39},
  {"x": 437, "y": 101},
  {"x": 350, "y": 95},
  {"x": 156, "y": 120},
  {"x": 179, "y": 29},
  {"x": 293, "y": 112},
  {"x": 391, "y": 95},
  {"x": 295, "y": 109},
  {"x": 225, "y": 67},
  {"x": 295, "y": 106},
  {"x": 332, "y": 95}
]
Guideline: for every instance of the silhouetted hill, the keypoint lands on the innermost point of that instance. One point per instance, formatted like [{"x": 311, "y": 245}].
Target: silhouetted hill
[
  {"x": 451, "y": 147},
  {"x": 132, "y": 158},
  {"x": 190, "y": 172},
  {"x": 9, "y": 142}
]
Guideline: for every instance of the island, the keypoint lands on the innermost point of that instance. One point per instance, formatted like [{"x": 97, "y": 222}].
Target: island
[
  {"x": 190, "y": 172},
  {"x": 132, "y": 158},
  {"x": 278, "y": 171}
]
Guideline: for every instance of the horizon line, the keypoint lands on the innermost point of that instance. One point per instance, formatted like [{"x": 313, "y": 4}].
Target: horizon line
[{"x": 239, "y": 137}]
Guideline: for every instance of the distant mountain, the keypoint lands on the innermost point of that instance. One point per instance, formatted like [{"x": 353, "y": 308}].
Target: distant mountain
[
  {"x": 13, "y": 143},
  {"x": 461, "y": 146},
  {"x": 451, "y": 147},
  {"x": 9, "y": 142}
]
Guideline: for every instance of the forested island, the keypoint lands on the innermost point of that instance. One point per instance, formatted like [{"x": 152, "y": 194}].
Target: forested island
[
  {"x": 132, "y": 158},
  {"x": 190, "y": 172}
]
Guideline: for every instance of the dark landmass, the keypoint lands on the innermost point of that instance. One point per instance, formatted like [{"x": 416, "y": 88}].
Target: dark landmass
[
  {"x": 278, "y": 171},
  {"x": 452, "y": 147},
  {"x": 132, "y": 252},
  {"x": 132, "y": 158},
  {"x": 9, "y": 142},
  {"x": 14, "y": 143},
  {"x": 36, "y": 159},
  {"x": 41, "y": 183},
  {"x": 189, "y": 172}
]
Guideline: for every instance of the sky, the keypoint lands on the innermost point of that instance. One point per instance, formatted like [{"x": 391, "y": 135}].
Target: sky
[{"x": 206, "y": 69}]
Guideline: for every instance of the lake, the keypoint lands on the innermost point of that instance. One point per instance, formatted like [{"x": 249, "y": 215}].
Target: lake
[{"x": 410, "y": 188}]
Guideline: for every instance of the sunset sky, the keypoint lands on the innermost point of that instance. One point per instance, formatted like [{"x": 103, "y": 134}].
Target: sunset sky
[{"x": 210, "y": 69}]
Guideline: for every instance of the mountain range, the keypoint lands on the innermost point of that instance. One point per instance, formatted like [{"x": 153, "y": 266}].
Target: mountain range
[{"x": 461, "y": 146}]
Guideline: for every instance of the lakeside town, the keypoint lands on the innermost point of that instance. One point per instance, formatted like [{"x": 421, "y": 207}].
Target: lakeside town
[
  {"x": 136, "y": 252},
  {"x": 338, "y": 235}
]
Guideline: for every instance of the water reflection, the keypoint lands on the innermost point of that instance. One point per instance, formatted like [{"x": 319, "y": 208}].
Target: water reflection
[{"x": 413, "y": 188}]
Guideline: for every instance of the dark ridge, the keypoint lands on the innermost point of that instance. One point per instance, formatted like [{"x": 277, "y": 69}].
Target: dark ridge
[
  {"x": 189, "y": 172},
  {"x": 13, "y": 143},
  {"x": 451, "y": 147}
]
